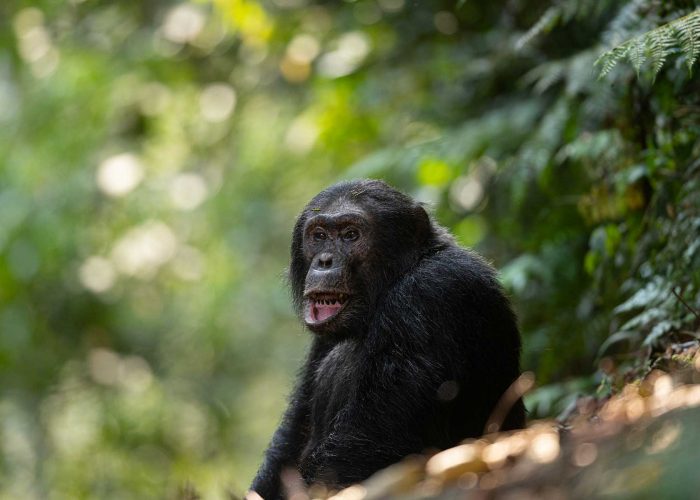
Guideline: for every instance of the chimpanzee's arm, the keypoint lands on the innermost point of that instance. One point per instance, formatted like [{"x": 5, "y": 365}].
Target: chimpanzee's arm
[
  {"x": 292, "y": 434},
  {"x": 284, "y": 448}
]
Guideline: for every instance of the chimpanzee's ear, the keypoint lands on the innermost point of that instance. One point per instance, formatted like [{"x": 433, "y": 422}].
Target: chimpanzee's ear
[
  {"x": 297, "y": 265},
  {"x": 423, "y": 224}
]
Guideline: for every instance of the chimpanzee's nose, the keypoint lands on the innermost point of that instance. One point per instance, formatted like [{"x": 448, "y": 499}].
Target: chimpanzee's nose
[{"x": 325, "y": 261}]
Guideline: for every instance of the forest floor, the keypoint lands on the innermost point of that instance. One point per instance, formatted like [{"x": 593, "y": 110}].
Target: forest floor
[{"x": 641, "y": 442}]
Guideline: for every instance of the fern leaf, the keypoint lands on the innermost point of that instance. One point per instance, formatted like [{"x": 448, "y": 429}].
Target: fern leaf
[
  {"x": 636, "y": 54},
  {"x": 688, "y": 35},
  {"x": 659, "y": 44},
  {"x": 545, "y": 23},
  {"x": 608, "y": 60},
  {"x": 656, "y": 45}
]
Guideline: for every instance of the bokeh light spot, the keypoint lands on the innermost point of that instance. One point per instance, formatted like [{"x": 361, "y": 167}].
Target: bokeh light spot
[
  {"x": 103, "y": 365},
  {"x": 304, "y": 48},
  {"x": 301, "y": 135},
  {"x": 183, "y": 23},
  {"x": 665, "y": 437},
  {"x": 585, "y": 454},
  {"x": 446, "y": 22},
  {"x": 118, "y": 175},
  {"x": 391, "y": 5},
  {"x": 352, "y": 49},
  {"x": 135, "y": 374},
  {"x": 467, "y": 192},
  {"x": 433, "y": 172},
  {"x": 217, "y": 102},
  {"x": 34, "y": 42},
  {"x": 187, "y": 191},
  {"x": 448, "y": 390},
  {"x": 143, "y": 249},
  {"x": 97, "y": 274},
  {"x": 544, "y": 448}
]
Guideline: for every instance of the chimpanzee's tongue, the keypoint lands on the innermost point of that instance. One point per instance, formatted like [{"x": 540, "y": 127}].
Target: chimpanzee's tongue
[{"x": 322, "y": 312}]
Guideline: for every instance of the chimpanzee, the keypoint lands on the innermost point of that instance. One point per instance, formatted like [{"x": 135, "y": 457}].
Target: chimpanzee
[{"x": 414, "y": 342}]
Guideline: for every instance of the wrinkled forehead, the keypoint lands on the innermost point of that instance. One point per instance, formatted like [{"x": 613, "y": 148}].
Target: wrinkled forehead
[
  {"x": 340, "y": 206},
  {"x": 338, "y": 211},
  {"x": 333, "y": 201}
]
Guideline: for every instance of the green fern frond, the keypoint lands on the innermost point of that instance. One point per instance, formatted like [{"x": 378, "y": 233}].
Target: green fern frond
[
  {"x": 636, "y": 54},
  {"x": 659, "y": 47},
  {"x": 655, "y": 46},
  {"x": 563, "y": 12},
  {"x": 687, "y": 32},
  {"x": 545, "y": 23},
  {"x": 608, "y": 60}
]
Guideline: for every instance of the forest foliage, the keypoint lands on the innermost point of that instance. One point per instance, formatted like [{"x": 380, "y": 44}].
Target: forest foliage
[{"x": 153, "y": 156}]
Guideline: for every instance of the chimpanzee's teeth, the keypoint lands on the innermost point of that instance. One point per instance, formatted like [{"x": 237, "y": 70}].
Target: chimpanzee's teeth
[{"x": 332, "y": 300}]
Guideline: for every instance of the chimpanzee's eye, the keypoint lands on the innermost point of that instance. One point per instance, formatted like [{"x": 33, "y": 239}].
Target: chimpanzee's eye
[
  {"x": 350, "y": 234},
  {"x": 319, "y": 235}
]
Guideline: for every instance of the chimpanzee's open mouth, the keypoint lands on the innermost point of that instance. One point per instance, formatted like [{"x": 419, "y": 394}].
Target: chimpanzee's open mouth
[{"x": 322, "y": 307}]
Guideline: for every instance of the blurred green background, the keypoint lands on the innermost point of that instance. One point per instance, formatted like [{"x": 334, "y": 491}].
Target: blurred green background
[{"x": 154, "y": 154}]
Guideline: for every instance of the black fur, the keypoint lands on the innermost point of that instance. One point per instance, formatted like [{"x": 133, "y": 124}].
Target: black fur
[{"x": 422, "y": 353}]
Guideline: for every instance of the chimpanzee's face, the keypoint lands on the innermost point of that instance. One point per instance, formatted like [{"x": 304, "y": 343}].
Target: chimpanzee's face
[
  {"x": 351, "y": 244},
  {"x": 336, "y": 244}
]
